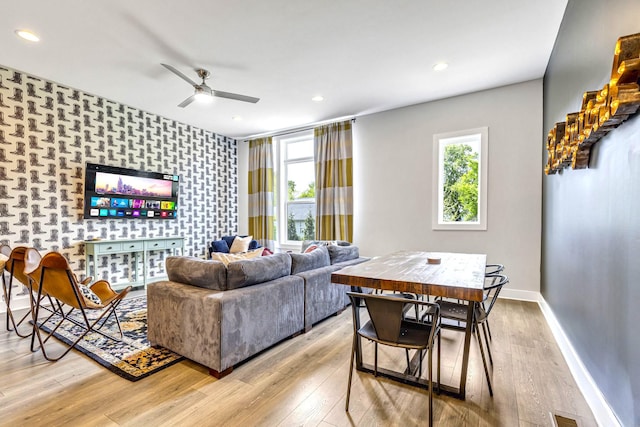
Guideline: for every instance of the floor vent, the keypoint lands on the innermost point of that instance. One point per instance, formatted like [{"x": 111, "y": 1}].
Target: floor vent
[{"x": 564, "y": 420}]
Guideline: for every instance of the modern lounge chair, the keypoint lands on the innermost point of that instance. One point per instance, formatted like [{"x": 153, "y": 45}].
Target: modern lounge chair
[{"x": 52, "y": 276}]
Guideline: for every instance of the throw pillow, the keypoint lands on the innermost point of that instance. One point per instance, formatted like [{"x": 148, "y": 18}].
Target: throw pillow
[
  {"x": 240, "y": 244},
  {"x": 266, "y": 251},
  {"x": 310, "y": 248},
  {"x": 88, "y": 294},
  {"x": 220, "y": 246}
]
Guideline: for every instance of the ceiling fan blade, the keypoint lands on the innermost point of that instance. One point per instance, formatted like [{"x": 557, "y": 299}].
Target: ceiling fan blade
[
  {"x": 179, "y": 74},
  {"x": 235, "y": 96},
  {"x": 187, "y": 101}
]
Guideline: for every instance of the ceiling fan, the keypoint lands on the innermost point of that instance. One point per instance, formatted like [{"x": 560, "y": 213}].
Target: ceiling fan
[{"x": 202, "y": 91}]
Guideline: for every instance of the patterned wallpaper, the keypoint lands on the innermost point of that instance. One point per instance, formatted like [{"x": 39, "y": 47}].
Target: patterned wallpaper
[{"x": 47, "y": 134}]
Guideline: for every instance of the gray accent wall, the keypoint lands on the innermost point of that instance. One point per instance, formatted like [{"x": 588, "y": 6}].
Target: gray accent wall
[
  {"x": 47, "y": 134},
  {"x": 591, "y": 217}
]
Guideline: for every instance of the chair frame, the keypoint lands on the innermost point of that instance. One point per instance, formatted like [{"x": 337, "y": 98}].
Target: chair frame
[
  {"x": 14, "y": 266},
  {"x": 389, "y": 325},
  {"x": 457, "y": 311}
]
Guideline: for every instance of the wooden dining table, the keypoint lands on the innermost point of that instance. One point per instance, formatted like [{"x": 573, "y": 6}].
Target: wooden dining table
[{"x": 440, "y": 274}]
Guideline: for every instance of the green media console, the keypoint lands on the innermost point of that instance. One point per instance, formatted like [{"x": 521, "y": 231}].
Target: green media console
[{"x": 138, "y": 247}]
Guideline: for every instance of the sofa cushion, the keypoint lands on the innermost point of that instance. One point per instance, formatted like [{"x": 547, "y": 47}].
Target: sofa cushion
[
  {"x": 193, "y": 271},
  {"x": 220, "y": 246},
  {"x": 257, "y": 270},
  {"x": 307, "y": 243},
  {"x": 317, "y": 258},
  {"x": 342, "y": 253}
]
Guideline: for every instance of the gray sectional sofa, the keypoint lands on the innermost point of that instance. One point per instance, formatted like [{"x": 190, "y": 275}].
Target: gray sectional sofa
[{"x": 220, "y": 315}]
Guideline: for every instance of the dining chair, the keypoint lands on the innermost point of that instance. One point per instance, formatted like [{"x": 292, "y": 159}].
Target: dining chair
[
  {"x": 457, "y": 312},
  {"x": 52, "y": 276},
  {"x": 388, "y": 326}
]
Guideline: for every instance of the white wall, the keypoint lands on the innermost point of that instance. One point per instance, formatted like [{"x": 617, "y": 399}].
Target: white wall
[
  {"x": 393, "y": 179},
  {"x": 393, "y": 161}
]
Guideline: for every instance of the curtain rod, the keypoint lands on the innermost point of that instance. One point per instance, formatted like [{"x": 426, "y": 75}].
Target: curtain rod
[{"x": 295, "y": 130}]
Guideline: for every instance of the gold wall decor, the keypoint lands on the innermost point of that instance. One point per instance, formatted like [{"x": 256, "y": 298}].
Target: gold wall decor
[{"x": 569, "y": 143}]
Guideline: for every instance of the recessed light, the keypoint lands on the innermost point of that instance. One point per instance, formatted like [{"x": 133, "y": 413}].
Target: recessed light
[
  {"x": 318, "y": 98},
  {"x": 440, "y": 66},
  {"x": 27, "y": 35},
  {"x": 236, "y": 118}
]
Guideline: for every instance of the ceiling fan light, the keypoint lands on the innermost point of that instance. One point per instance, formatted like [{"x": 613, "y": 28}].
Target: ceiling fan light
[{"x": 203, "y": 97}]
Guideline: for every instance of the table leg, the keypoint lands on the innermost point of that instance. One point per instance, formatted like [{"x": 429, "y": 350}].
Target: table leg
[{"x": 356, "y": 320}]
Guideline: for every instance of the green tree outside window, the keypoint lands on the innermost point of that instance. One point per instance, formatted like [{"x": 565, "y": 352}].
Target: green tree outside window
[{"x": 460, "y": 198}]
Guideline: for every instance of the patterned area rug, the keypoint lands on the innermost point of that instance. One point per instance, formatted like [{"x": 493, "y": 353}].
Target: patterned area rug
[{"x": 132, "y": 358}]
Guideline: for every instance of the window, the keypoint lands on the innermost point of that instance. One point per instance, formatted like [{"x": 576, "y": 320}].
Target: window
[
  {"x": 296, "y": 213},
  {"x": 460, "y": 177}
]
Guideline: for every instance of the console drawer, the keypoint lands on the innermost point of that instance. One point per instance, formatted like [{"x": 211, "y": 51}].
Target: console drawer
[
  {"x": 132, "y": 246},
  {"x": 174, "y": 244},
  {"x": 107, "y": 248},
  {"x": 152, "y": 245}
]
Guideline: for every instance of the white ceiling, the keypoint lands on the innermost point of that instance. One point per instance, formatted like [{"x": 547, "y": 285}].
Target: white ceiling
[{"x": 362, "y": 56}]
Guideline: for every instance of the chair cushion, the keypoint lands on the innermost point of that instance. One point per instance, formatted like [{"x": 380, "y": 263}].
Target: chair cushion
[
  {"x": 198, "y": 272},
  {"x": 342, "y": 253},
  {"x": 257, "y": 270},
  {"x": 310, "y": 260},
  {"x": 220, "y": 246}
]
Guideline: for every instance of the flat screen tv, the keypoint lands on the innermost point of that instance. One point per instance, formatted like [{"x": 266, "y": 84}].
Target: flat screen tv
[{"x": 112, "y": 192}]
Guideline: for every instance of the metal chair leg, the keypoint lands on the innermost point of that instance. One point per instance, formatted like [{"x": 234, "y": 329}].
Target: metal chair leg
[
  {"x": 353, "y": 355},
  {"x": 488, "y": 328},
  {"x": 430, "y": 370},
  {"x": 484, "y": 360},
  {"x": 375, "y": 360},
  {"x": 486, "y": 340}
]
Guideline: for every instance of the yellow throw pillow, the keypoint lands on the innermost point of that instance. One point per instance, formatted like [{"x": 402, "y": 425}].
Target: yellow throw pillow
[
  {"x": 240, "y": 244},
  {"x": 227, "y": 258}
]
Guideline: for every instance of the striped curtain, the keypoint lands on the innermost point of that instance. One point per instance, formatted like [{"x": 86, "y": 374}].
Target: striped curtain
[
  {"x": 261, "y": 219},
  {"x": 334, "y": 194}
]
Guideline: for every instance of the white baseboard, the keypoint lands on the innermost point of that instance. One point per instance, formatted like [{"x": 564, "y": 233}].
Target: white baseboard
[
  {"x": 520, "y": 295},
  {"x": 602, "y": 412}
]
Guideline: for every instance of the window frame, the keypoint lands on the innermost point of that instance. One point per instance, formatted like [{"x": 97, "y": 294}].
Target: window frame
[
  {"x": 440, "y": 141},
  {"x": 281, "y": 178}
]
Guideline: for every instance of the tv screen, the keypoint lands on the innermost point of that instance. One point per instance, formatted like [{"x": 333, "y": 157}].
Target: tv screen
[{"x": 112, "y": 192}]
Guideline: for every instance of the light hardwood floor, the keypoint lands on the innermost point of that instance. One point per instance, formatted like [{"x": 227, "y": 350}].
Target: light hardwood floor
[{"x": 301, "y": 381}]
